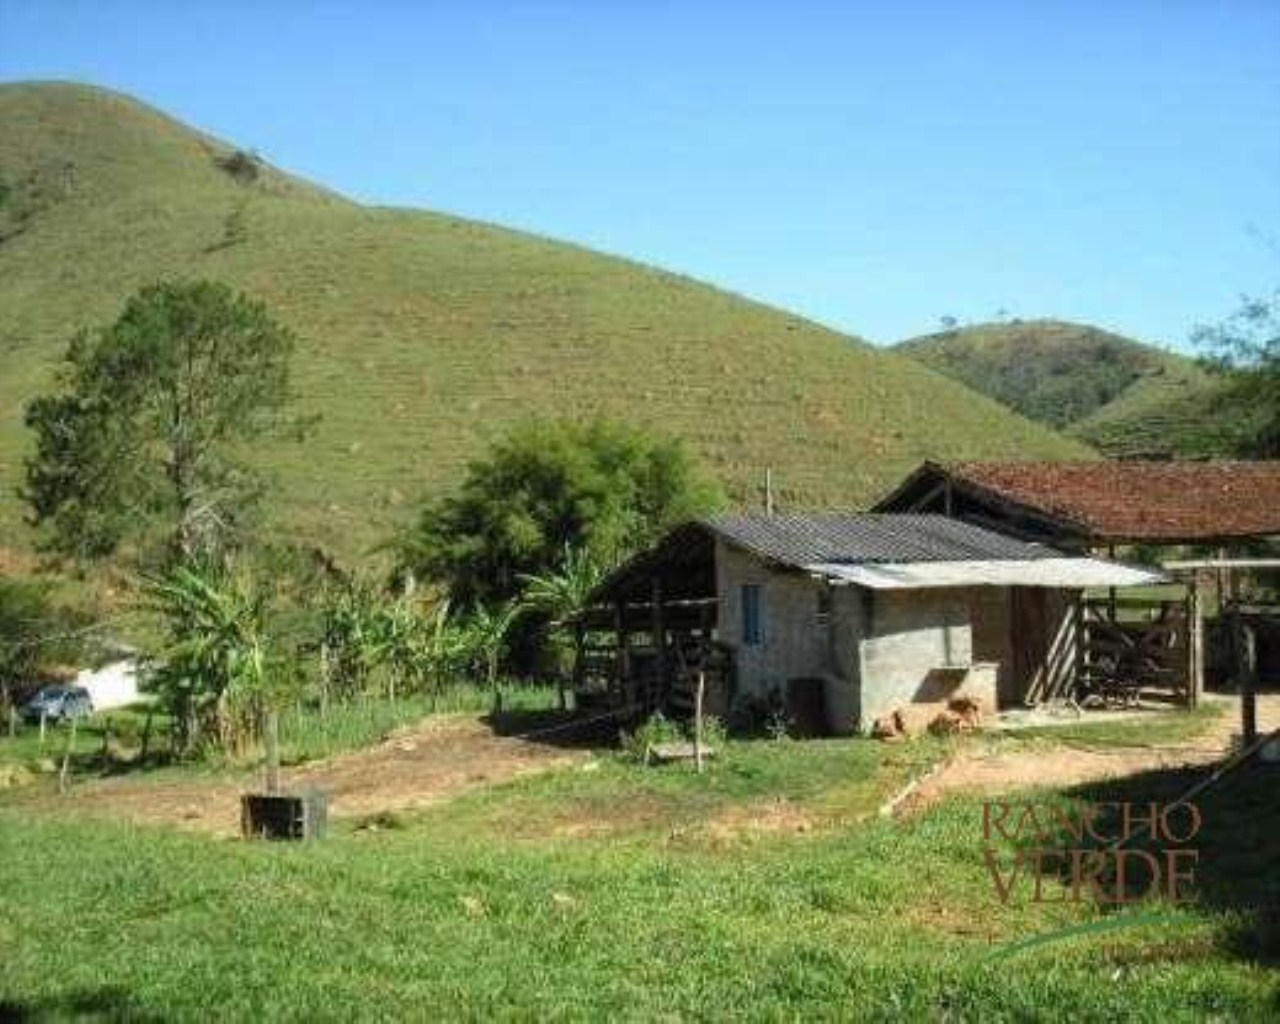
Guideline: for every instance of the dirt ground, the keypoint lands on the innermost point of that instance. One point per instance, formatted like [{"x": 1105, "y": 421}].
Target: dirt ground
[
  {"x": 413, "y": 768},
  {"x": 989, "y": 772},
  {"x": 446, "y": 757}
]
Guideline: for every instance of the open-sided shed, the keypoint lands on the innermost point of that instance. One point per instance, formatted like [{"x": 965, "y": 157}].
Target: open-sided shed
[
  {"x": 1229, "y": 508},
  {"x": 864, "y": 613}
]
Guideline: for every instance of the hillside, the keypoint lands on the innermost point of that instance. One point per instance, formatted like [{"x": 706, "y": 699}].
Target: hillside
[
  {"x": 422, "y": 334},
  {"x": 1122, "y": 397}
]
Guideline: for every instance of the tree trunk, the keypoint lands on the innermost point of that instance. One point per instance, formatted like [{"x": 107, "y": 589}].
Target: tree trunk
[{"x": 271, "y": 735}]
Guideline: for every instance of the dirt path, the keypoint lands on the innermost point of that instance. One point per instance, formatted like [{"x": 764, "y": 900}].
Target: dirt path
[
  {"x": 989, "y": 772},
  {"x": 415, "y": 767}
]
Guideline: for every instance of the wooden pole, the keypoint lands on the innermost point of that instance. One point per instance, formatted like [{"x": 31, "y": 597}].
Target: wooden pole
[
  {"x": 1195, "y": 646},
  {"x": 768, "y": 492},
  {"x": 1078, "y": 628},
  {"x": 66, "y": 758},
  {"x": 1248, "y": 672},
  {"x": 271, "y": 730},
  {"x": 697, "y": 720},
  {"x": 623, "y": 667},
  {"x": 659, "y": 637},
  {"x": 1111, "y": 591}
]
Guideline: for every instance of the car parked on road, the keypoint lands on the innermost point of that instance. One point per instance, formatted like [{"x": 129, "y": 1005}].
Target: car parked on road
[{"x": 58, "y": 703}]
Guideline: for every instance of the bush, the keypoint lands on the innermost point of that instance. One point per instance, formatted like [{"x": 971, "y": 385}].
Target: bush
[
  {"x": 241, "y": 165},
  {"x": 659, "y": 729}
]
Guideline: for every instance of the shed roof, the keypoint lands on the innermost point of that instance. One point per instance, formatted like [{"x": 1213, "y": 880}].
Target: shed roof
[
  {"x": 1069, "y": 573},
  {"x": 1165, "y": 502},
  {"x": 804, "y": 539}
]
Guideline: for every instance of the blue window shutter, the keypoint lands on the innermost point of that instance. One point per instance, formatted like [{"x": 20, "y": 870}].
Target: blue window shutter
[{"x": 751, "y": 624}]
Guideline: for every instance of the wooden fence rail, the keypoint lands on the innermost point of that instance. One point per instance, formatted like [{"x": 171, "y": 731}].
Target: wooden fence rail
[{"x": 1121, "y": 657}]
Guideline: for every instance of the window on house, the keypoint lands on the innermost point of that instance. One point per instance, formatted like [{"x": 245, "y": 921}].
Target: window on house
[{"x": 751, "y": 624}]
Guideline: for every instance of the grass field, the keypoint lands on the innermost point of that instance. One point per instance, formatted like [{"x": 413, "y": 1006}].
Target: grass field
[
  {"x": 423, "y": 335},
  {"x": 768, "y": 888},
  {"x": 306, "y": 734}
]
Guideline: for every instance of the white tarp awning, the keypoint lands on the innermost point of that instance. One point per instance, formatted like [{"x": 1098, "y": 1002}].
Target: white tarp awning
[{"x": 1037, "y": 572}]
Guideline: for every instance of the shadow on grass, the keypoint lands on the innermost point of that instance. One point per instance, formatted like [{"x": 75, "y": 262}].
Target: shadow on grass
[
  {"x": 575, "y": 730},
  {"x": 98, "y": 1004},
  {"x": 1238, "y": 869}
]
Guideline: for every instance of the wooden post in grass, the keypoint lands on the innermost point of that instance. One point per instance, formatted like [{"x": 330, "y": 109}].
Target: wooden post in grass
[
  {"x": 146, "y": 738},
  {"x": 66, "y": 757},
  {"x": 697, "y": 720},
  {"x": 271, "y": 737},
  {"x": 43, "y": 719}
]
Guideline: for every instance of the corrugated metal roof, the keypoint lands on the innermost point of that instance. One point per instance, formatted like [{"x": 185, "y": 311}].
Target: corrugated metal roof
[
  {"x": 868, "y": 538},
  {"x": 1039, "y": 572}
]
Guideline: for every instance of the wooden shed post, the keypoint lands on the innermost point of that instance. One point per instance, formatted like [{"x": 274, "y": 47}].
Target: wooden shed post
[
  {"x": 1195, "y": 646},
  {"x": 622, "y": 666},
  {"x": 658, "y": 628},
  {"x": 1248, "y": 674}
]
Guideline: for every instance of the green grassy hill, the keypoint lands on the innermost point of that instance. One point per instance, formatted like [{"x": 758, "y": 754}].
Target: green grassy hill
[
  {"x": 424, "y": 334},
  {"x": 1122, "y": 397}
]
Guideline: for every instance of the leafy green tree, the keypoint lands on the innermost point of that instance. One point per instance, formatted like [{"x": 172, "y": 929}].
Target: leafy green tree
[
  {"x": 141, "y": 435},
  {"x": 601, "y": 487},
  {"x": 1246, "y": 349},
  {"x": 33, "y": 631}
]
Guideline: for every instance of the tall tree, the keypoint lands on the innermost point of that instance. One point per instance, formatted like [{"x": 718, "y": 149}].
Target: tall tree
[
  {"x": 601, "y": 488},
  {"x": 141, "y": 435},
  {"x": 1246, "y": 348}
]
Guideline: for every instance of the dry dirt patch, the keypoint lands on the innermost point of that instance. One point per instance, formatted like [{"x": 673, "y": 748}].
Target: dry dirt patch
[
  {"x": 415, "y": 767},
  {"x": 989, "y": 772}
]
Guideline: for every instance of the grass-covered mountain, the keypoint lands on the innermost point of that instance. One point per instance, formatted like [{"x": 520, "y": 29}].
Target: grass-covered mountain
[
  {"x": 423, "y": 335},
  {"x": 1122, "y": 397}
]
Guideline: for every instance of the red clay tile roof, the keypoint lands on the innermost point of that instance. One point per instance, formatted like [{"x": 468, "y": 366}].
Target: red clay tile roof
[{"x": 1136, "y": 501}]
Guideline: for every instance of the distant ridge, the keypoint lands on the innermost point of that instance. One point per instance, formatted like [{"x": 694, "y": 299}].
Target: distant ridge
[{"x": 1125, "y": 398}]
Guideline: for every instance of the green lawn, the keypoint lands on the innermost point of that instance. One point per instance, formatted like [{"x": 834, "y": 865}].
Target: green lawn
[
  {"x": 306, "y": 734},
  {"x": 767, "y": 888}
]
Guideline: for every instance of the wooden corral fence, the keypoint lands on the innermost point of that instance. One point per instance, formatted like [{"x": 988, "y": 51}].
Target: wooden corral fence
[{"x": 1134, "y": 645}]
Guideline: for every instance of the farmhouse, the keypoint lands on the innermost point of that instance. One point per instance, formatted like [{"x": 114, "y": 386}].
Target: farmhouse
[{"x": 841, "y": 617}]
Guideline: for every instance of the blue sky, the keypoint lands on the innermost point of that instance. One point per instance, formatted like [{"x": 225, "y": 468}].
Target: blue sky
[{"x": 873, "y": 165}]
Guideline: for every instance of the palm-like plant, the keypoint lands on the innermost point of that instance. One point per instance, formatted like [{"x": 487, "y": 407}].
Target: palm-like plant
[
  {"x": 563, "y": 594},
  {"x": 350, "y": 638},
  {"x": 486, "y": 636},
  {"x": 216, "y": 655},
  {"x": 564, "y": 591}
]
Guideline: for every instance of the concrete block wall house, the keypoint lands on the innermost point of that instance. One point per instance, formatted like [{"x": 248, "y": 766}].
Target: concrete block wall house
[{"x": 864, "y": 613}]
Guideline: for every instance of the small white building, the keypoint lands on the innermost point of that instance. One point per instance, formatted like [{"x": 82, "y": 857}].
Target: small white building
[
  {"x": 114, "y": 685},
  {"x": 863, "y": 613}
]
